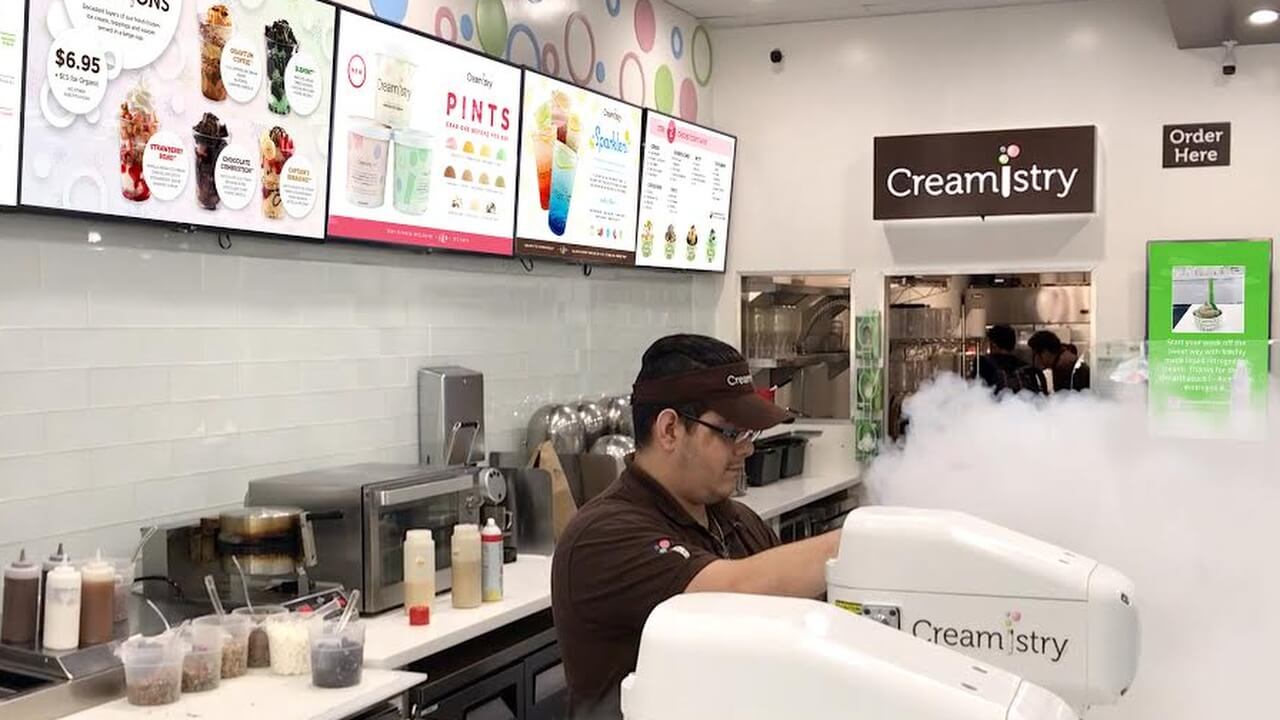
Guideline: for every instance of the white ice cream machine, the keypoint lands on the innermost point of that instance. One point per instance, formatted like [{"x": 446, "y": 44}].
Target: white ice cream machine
[
  {"x": 932, "y": 615},
  {"x": 1058, "y": 619}
]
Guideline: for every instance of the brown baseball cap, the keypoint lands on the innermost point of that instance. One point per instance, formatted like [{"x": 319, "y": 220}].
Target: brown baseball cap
[{"x": 726, "y": 389}]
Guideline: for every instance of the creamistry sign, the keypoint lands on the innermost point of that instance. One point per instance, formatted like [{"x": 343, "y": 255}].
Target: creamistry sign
[{"x": 1005, "y": 172}]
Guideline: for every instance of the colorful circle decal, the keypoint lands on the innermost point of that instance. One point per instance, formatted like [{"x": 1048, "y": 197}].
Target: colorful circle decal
[
  {"x": 550, "y": 60},
  {"x": 622, "y": 79},
  {"x": 600, "y": 71},
  {"x": 525, "y": 30},
  {"x": 613, "y": 6},
  {"x": 646, "y": 25},
  {"x": 701, "y": 32},
  {"x": 444, "y": 15},
  {"x": 491, "y": 25},
  {"x": 677, "y": 42},
  {"x": 392, "y": 10},
  {"x": 568, "y": 49},
  {"x": 664, "y": 89},
  {"x": 688, "y": 100},
  {"x": 466, "y": 27}
]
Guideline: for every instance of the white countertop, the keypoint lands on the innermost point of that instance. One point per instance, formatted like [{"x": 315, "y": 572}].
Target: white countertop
[
  {"x": 260, "y": 694},
  {"x": 391, "y": 642},
  {"x": 783, "y": 496}
]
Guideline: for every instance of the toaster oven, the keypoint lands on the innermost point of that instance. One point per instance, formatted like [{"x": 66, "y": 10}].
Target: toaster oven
[{"x": 359, "y": 515}]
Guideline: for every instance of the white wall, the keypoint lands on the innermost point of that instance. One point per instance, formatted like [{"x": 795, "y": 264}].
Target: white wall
[
  {"x": 151, "y": 376},
  {"x": 803, "y": 195}
]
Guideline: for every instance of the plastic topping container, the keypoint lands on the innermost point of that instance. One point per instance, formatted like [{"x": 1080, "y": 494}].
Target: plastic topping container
[
  {"x": 153, "y": 668},
  {"x": 235, "y": 645},
  {"x": 337, "y": 659},
  {"x": 202, "y": 665},
  {"x": 259, "y": 646},
  {"x": 287, "y": 634}
]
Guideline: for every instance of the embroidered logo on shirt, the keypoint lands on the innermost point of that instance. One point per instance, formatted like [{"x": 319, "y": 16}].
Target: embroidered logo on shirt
[{"x": 664, "y": 546}]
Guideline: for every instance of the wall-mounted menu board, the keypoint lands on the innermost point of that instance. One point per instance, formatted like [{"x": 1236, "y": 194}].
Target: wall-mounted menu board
[
  {"x": 579, "y": 174},
  {"x": 12, "y": 26},
  {"x": 425, "y": 141},
  {"x": 685, "y": 192},
  {"x": 213, "y": 113}
]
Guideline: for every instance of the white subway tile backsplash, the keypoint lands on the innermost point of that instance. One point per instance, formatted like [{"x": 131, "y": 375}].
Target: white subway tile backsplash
[
  {"x": 77, "y": 429},
  {"x": 144, "y": 384},
  {"x": 202, "y": 382},
  {"x": 128, "y": 386},
  {"x": 43, "y": 391},
  {"x": 21, "y": 350}
]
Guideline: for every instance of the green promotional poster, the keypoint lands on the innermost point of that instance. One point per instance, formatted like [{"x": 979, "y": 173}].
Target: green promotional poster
[{"x": 1208, "y": 327}]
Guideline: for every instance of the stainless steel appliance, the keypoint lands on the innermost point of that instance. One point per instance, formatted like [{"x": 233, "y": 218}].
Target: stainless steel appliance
[
  {"x": 274, "y": 545},
  {"x": 450, "y": 416},
  {"x": 360, "y": 513},
  {"x": 498, "y": 503},
  {"x": 529, "y": 496}
]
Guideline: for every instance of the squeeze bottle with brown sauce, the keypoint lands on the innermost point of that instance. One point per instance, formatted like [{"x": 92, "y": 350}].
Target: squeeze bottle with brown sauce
[
  {"x": 20, "y": 611},
  {"x": 97, "y": 601}
]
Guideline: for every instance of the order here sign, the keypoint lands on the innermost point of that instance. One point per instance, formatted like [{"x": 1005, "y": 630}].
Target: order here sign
[{"x": 1200, "y": 145}]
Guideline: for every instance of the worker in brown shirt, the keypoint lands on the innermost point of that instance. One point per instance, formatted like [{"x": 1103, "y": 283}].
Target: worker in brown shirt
[{"x": 667, "y": 526}]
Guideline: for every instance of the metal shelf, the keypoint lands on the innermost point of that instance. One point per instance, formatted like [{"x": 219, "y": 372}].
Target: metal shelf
[{"x": 798, "y": 361}]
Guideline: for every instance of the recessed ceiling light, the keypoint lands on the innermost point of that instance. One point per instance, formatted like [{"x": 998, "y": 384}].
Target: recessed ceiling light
[{"x": 1264, "y": 16}]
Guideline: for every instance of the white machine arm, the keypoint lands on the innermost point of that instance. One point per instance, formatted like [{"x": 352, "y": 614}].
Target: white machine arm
[
  {"x": 762, "y": 658},
  {"x": 1060, "y": 620}
]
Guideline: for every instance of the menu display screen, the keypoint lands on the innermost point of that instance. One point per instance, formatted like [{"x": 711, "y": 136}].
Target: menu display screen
[
  {"x": 212, "y": 113},
  {"x": 12, "y": 26},
  {"x": 579, "y": 174},
  {"x": 425, "y": 146},
  {"x": 686, "y": 188}
]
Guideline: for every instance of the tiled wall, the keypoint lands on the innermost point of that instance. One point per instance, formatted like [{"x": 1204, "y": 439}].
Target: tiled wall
[{"x": 150, "y": 376}]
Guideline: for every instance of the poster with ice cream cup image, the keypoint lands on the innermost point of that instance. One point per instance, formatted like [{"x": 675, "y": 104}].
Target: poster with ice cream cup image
[
  {"x": 579, "y": 174},
  {"x": 211, "y": 113},
  {"x": 686, "y": 189},
  {"x": 1208, "y": 299},
  {"x": 425, "y": 141}
]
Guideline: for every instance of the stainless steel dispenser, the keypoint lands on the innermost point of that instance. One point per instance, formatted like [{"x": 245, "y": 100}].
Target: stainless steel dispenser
[{"x": 450, "y": 416}]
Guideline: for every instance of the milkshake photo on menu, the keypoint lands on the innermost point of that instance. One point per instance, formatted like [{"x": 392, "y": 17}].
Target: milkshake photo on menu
[
  {"x": 208, "y": 113},
  {"x": 579, "y": 175},
  {"x": 1208, "y": 299},
  {"x": 423, "y": 158}
]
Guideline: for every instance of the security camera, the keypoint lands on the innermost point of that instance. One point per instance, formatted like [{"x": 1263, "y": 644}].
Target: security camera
[
  {"x": 1229, "y": 58},
  {"x": 775, "y": 56}
]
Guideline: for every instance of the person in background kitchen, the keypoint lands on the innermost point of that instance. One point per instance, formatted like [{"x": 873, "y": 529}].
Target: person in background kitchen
[
  {"x": 667, "y": 525},
  {"x": 1001, "y": 370},
  {"x": 1048, "y": 352}
]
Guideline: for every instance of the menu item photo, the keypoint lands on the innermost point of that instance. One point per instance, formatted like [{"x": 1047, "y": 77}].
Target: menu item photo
[
  {"x": 198, "y": 107},
  {"x": 425, "y": 138},
  {"x": 685, "y": 194},
  {"x": 579, "y": 174}
]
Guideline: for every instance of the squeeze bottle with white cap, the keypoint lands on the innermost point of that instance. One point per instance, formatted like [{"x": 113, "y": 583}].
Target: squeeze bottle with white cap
[
  {"x": 21, "y": 609},
  {"x": 491, "y": 561},
  {"x": 62, "y": 608}
]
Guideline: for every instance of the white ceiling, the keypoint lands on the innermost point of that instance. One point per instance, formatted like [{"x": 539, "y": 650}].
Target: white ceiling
[{"x": 740, "y": 13}]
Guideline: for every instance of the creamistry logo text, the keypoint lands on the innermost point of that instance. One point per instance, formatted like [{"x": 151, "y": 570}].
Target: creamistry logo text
[
  {"x": 1005, "y": 180},
  {"x": 1007, "y": 640}
]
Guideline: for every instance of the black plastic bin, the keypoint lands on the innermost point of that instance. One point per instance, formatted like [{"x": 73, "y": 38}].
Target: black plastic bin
[
  {"x": 764, "y": 467},
  {"x": 792, "y": 449}
]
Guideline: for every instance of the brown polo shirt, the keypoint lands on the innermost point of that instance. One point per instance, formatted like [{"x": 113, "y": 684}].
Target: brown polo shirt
[{"x": 625, "y": 552}]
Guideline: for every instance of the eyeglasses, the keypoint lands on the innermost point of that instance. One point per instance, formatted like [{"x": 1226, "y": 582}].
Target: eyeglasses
[{"x": 732, "y": 434}]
